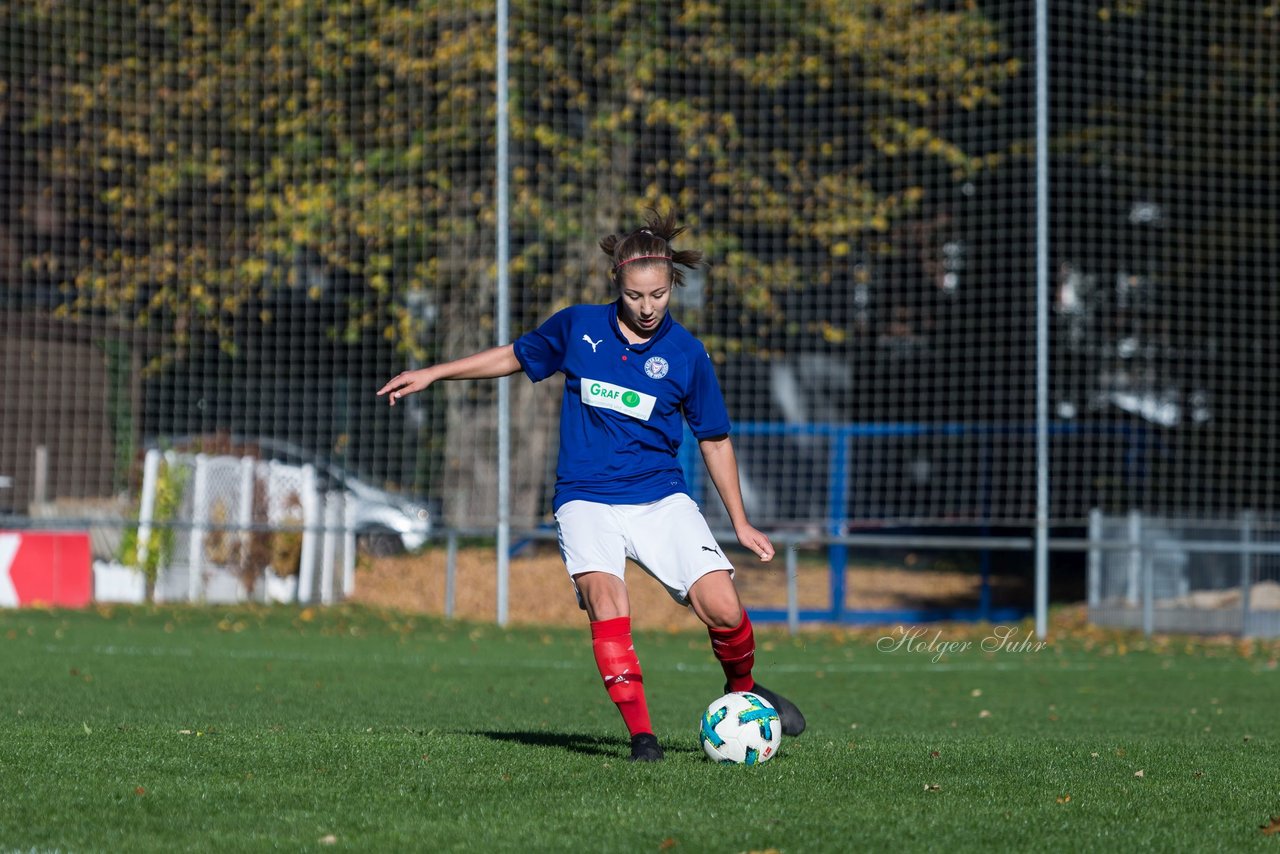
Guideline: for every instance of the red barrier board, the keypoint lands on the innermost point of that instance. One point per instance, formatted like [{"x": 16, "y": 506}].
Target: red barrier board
[{"x": 45, "y": 568}]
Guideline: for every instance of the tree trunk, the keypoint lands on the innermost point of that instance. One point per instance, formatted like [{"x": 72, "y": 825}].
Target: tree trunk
[
  {"x": 471, "y": 454},
  {"x": 471, "y": 411}
]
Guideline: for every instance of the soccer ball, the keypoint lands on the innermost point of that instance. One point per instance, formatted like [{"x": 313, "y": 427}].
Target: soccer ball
[{"x": 741, "y": 728}]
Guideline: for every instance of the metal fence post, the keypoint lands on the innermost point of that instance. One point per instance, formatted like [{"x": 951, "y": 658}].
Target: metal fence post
[
  {"x": 1132, "y": 583},
  {"x": 348, "y": 549},
  {"x": 40, "y": 480},
  {"x": 450, "y": 573},
  {"x": 1246, "y": 569},
  {"x": 329, "y": 543},
  {"x": 793, "y": 593},
  {"x": 837, "y": 519},
  {"x": 1042, "y": 318},
  {"x": 1095, "y": 562},
  {"x": 1148, "y": 560},
  {"x": 503, "y": 311}
]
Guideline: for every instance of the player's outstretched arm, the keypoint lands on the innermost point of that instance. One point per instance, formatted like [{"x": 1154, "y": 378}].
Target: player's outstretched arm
[
  {"x": 722, "y": 465},
  {"x": 487, "y": 364}
]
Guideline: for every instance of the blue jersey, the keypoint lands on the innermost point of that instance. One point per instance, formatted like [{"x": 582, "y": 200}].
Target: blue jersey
[{"x": 620, "y": 423}]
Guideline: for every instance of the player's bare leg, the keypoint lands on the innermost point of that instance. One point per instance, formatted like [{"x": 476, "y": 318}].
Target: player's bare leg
[
  {"x": 714, "y": 598},
  {"x": 603, "y": 595},
  {"x": 605, "y": 598}
]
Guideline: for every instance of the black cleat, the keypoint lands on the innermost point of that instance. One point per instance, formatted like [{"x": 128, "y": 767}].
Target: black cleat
[
  {"x": 792, "y": 718},
  {"x": 645, "y": 748}
]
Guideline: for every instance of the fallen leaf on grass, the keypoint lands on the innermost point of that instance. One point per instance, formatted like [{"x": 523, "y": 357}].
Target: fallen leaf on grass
[
  {"x": 984, "y": 713},
  {"x": 933, "y": 754},
  {"x": 667, "y": 844},
  {"x": 1139, "y": 773},
  {"x": 139, "y": 791},
  {"x": 87, "y": 731},
  {"x": 328, "y": 839},
  {"x": 1272, "y": 827},
  {"x": 1064, "y": 799},
  {"x": 932, "y": 787}
]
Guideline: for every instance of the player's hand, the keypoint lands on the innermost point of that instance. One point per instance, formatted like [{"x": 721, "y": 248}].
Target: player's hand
[
  {"x": 754, "y": 541},
  {"x": 405, "y": 383}
]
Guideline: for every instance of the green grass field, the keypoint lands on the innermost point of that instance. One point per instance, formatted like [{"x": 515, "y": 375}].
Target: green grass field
[{"x": 149, "y": 729}]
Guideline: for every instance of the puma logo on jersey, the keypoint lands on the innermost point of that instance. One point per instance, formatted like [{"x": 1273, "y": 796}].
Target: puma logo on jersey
[
  {"x": 594, "y": 344},
  {"x": 713, "y": 551}
]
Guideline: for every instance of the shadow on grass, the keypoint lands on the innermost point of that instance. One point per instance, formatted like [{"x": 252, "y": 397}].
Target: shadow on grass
[{"x": 591, "y": 745}]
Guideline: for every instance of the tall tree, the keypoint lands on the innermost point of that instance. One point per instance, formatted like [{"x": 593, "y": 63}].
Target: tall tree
[{"x": 204, "y": 157}]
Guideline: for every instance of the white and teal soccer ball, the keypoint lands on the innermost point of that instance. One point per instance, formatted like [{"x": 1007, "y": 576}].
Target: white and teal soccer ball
[{"x": 741, "y": 728}]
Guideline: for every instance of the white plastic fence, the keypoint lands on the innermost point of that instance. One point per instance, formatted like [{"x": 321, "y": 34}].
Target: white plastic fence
[{"x": 236, "y": 526}]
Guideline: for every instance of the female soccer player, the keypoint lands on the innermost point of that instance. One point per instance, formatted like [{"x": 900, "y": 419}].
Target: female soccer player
[{"x": 631, "y": 374}]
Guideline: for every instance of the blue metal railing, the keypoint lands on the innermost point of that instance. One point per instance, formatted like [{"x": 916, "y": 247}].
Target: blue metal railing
[{"x": 840, "y": 462}]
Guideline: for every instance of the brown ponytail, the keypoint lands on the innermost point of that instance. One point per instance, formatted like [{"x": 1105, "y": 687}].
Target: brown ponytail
[{"x": 650, "y": 244}]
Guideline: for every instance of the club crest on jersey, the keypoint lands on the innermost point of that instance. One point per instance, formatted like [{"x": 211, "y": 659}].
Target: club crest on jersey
[{"x": 656, "y": 367}]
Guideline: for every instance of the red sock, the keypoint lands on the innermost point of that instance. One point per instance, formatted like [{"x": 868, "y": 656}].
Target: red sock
[
  {"x": 735, "y": 649},
  {"x": 620, "y": 667}
]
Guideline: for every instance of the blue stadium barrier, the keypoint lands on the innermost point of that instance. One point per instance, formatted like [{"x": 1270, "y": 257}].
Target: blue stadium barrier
[{"x": 840, "y": 438}]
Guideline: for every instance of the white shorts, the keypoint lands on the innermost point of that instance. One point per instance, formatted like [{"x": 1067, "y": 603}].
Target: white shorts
[{"x": 669, "y": 539}]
